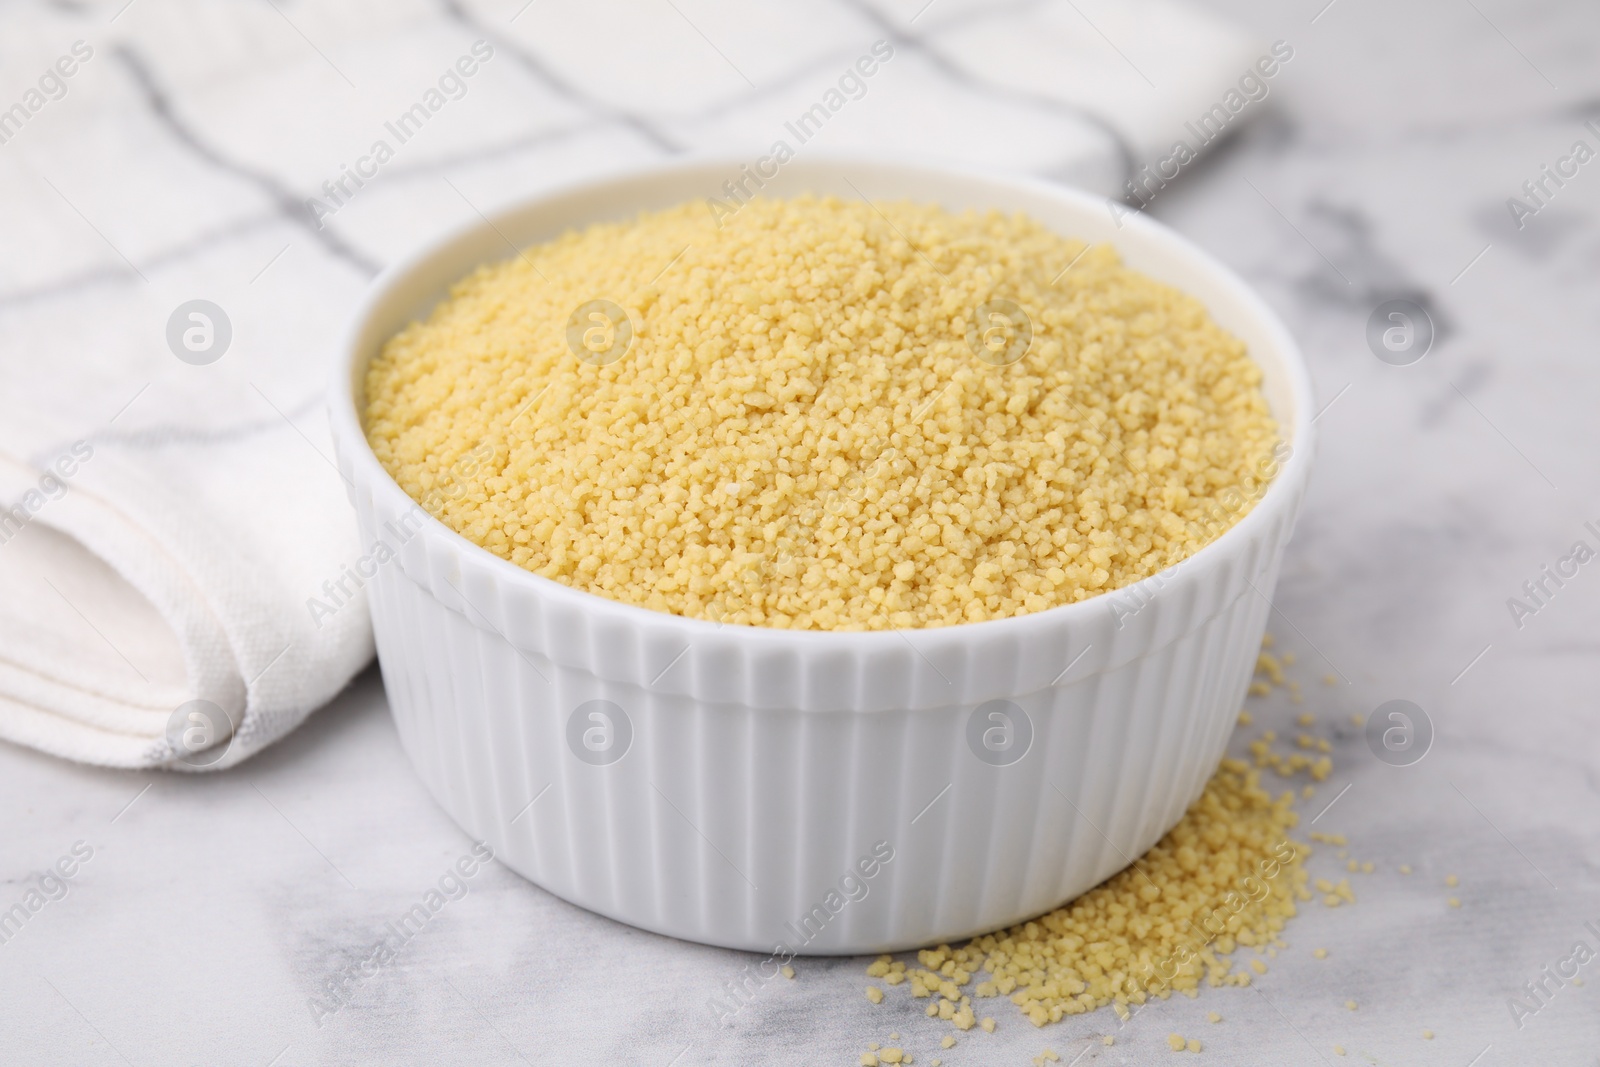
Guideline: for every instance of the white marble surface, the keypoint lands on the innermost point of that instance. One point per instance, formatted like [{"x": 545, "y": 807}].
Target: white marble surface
[{"x": 214, "y": 907}]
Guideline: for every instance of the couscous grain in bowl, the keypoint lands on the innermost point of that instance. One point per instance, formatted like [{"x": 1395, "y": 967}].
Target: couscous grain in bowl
[{"x": 798, "y": 431}]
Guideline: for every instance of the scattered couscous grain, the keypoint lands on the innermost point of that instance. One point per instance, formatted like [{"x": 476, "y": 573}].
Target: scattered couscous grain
[
  {"x": 1320, "y": 953},
  {"x": 891, "y": 1055},
  {"x": 1226, "y": 876},
  {"x": 1176, "y": 1042},
  {"x": 1338, "y": 1050},
  {"x": 987, "y": 1024},
  {"x": 788, "y": 971},
  {"x": 1427, "y": 1035},
  {"x": 874, "y": 994},
  {"x": 1213, "y": 1017},
  {"x": 1451, "y": 880},
  {"x": 1194, "y": 1044},
  {"x": 1454, "y": 902},
  {"x": 1108, "y": 1040},
  {"x": 1350, "y": 1004},
  {"x": 797, "y": 429},
  {"x": 947, "y": 1041},
  {"x": 869, "y": 1059},
  {"x": 1288, "y": 765}
]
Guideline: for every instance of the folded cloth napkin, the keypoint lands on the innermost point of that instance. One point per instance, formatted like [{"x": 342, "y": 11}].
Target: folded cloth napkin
[{"x": 174, "y": 536}]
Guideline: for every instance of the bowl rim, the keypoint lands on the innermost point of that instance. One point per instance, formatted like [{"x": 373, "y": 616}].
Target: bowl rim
[{"x": 356, "y": 455}]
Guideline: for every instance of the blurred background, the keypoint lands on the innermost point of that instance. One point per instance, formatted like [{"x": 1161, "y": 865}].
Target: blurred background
[{"x": 155, "y": 153}]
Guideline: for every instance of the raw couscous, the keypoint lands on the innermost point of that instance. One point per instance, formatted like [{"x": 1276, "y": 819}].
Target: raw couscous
[
  {"x": 1227, "y": 876},
  {"x": 825, "y": 415}
]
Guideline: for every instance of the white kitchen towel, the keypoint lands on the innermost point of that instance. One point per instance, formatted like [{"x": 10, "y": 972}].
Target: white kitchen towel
[{"x": 173, "y": 528}]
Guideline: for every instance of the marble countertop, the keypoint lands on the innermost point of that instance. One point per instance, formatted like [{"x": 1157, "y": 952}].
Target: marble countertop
[{"x": 203, "y": 913}]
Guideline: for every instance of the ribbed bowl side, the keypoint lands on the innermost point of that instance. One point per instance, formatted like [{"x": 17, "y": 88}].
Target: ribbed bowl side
[{"x": 731, "y": 825}]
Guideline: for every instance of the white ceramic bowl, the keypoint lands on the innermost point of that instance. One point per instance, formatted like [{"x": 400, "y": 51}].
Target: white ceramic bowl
[{"x": 805, "y": 792}]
